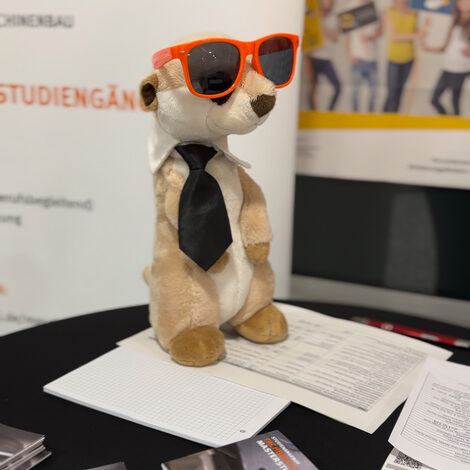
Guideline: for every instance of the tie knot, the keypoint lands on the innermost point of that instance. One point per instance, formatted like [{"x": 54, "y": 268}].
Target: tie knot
[{"x": 196, "y": 155}]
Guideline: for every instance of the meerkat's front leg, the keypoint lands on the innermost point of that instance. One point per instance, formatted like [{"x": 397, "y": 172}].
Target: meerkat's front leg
[
  {"x": 258, "y": 320},
  {"x": 184, "y": 308}
]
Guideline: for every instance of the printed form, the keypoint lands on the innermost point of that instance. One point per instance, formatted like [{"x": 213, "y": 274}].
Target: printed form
[
  {"x": 351, "y": 372},
  {"x": 434, "y": 426}
]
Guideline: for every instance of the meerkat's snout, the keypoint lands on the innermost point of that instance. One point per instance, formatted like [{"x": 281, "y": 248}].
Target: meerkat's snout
[{"x": 189, "y": 117}]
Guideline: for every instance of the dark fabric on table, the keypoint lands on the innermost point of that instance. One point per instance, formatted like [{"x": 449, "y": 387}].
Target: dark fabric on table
[{"x": 80, "y": 438}]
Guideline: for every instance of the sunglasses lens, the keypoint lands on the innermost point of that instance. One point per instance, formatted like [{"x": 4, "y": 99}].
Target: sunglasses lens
[
  {"x": 213, "y": 67},
  {"x": 276, "y": 57}
]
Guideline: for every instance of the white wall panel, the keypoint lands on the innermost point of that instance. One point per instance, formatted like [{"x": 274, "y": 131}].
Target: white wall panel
[{"x": 76, "y": 202}]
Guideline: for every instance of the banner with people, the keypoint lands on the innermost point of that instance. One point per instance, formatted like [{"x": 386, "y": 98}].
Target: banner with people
[{"x": 386, "y": 97}]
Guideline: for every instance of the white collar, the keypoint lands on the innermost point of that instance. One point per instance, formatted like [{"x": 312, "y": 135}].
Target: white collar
[{"x": 161, "y": 144}]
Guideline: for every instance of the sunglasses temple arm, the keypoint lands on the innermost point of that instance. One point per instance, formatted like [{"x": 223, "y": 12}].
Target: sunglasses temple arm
[{"x": 160, "y": 58}]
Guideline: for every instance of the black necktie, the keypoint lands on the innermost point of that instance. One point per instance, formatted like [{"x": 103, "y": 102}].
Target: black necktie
[{"x": 203, "y": 224}]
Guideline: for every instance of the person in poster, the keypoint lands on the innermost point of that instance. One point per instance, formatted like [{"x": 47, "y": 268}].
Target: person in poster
[
  {"x": 402, "y": 32},
  {"x": 361, "y": 46},
  {"x": 456, "y": 64},
  {"x": 319, "y": 59}
]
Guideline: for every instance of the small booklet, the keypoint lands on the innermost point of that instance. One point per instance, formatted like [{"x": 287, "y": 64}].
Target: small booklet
[
  {"x": 17, "y": 447},
  {"x": 270, "y": 451},
  {"x": 27, "y": 464},
  {"x": 357, "y": 17}
]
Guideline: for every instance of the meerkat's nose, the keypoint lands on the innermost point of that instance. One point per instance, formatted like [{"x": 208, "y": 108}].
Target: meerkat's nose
[{"x": 262, "y": 104}]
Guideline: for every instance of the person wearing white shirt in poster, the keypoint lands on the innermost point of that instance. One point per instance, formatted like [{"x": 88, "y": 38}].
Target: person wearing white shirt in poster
[
  {"x": 456, "y": 66},
  {"x": 361, "y": 46}
]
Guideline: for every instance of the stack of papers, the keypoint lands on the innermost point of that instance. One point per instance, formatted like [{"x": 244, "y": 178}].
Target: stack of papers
[
  {"x": 20, "y": 450},
  {"x": 354, "y": 373},
  {"x": 433, "y": 427}
]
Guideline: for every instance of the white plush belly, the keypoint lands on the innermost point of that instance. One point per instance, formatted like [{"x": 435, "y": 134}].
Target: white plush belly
[{"x": 234, "y": 281}]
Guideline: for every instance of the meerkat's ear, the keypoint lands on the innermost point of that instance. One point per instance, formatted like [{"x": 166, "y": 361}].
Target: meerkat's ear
[{"x": 148, "y": 92}]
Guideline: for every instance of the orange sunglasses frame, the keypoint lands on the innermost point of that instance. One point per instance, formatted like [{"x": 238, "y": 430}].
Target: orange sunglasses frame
[{"x": 181, "y": 51}]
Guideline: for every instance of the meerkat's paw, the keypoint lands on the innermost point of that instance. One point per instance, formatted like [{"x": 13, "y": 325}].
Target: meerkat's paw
[
  {"x": 267, "y": 325},
  {"x": 198, "y": 346}
]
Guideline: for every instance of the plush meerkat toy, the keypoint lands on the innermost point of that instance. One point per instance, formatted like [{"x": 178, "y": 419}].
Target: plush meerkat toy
[{"x": 212, "y": 233}]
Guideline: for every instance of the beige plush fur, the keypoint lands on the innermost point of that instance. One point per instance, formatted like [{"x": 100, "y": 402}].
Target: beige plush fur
[
  {"x": 198, "y": 346},
  {"x": 254, "y": 218},
  {"x": 260, "y": 294},
  {"x": 268, "y": 325},
  {"x": 182, "y": 295},
  {"x": 187, "y": 304},
  {"x": 220, "y": 264}
]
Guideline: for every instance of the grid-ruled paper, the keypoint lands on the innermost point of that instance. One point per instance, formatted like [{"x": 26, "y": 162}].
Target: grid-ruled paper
[{"x": 168, "y": 397}]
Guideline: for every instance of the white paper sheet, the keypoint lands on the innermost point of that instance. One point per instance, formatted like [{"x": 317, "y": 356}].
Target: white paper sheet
[
  {"x": 168, "y": 397},
  {"x": 351, "y": 372},
  {"x": 397, "y": 460},
  {"x": 434, "y": 426}
]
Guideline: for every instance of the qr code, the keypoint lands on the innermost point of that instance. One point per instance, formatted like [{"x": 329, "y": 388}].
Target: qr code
[{"x": 405, "y": 461}]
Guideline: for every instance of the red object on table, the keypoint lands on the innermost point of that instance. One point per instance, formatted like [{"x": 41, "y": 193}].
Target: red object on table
[{"x": 414, "y": 332}]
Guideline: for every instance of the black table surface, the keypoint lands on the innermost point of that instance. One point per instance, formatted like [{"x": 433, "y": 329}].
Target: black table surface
[{"x": 80, "y": 438}]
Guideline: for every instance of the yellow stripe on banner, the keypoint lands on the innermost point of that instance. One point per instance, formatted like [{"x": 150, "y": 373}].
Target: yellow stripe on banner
[{"x": 332, "y": 120}]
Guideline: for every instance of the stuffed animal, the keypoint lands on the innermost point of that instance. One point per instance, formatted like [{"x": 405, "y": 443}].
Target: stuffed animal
[{"x": 212, "y": 233}]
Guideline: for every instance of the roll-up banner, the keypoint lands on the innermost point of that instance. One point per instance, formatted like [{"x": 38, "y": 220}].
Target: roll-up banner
[
  {"x": 385, "y": 95},
  {"x": 76, "y": 196}
]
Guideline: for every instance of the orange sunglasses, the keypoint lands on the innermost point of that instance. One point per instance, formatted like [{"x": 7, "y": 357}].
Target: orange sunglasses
[{"x": 213, "y": 67}]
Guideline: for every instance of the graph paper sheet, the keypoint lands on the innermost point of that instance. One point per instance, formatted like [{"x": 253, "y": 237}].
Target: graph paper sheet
[{"x": 168, "y": 397}]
